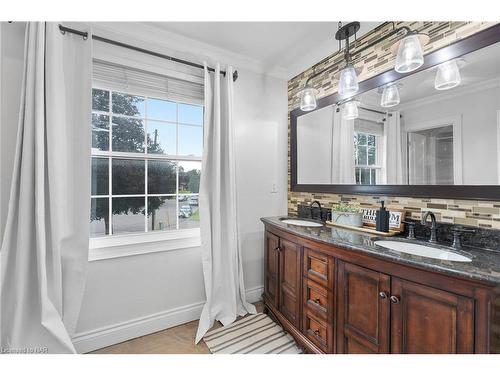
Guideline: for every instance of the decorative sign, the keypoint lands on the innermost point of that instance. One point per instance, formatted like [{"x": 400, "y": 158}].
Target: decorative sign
[
  {"x": 369, "y": 216},
  {"x": 395, "y": 218}
]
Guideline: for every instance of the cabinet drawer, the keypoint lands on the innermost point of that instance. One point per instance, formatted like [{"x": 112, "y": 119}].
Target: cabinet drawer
[
  {"x": 316, "y": 299},
  {"x": 318, "y": 267},
  {"x": 317, "y": 330}
]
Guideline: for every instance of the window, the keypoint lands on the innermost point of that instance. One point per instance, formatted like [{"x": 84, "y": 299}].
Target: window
[
  {"x": 366, "y": 158},
  {"x": 146, "y": 163}
]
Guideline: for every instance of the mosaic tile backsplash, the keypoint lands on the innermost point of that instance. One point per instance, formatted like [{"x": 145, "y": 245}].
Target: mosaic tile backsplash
[{"x": 475, "y": 213}]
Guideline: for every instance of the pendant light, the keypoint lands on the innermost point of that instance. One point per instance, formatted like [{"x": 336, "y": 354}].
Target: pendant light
[
  {"x": 308, "y": 98},
  {"x": 350, "y": 110},
  {"x": 390, "y": 96},
  {"x": 447, "y": 75},
  {"x": 348, "y": 76},
  {"x": 410, "y": 55},
  {"x": 348, "y": 81}
]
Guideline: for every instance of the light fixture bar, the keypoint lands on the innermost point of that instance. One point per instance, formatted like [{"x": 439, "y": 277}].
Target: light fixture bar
[{"x": 395, "y": 31}]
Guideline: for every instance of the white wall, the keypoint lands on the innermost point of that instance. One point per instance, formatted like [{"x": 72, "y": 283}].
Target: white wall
[
  {"x": 478, "y": 110},
  {"x": 131, "y": 296},
  {"x": 11, "y": 63},
  {"x": 260, "y": 116},
  {"x": 135, "y": 295}
]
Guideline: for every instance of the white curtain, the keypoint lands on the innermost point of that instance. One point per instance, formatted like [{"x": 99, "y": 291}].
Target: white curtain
[
  {"x": 45, "y": 248},
  {"x": 220, "y": 247},
  {"x": 393, "y": 156},
  {"x": 343, "y": 150}
]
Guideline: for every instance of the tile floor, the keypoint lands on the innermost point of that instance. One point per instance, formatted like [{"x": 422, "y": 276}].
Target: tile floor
[{"x": 175, "y": 340}]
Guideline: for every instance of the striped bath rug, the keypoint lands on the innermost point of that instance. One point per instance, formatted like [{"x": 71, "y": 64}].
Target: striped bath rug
[{"x": 254, "y": 334}]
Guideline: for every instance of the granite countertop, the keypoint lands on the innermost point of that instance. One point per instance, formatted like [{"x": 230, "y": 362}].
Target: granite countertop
[{"x": 485, "y": 264}]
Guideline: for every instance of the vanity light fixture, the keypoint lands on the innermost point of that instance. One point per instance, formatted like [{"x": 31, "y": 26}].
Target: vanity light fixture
[
  {"x": 308, "y": 98},
  {"x": 390, "y": 95},
  {"x": 350, "y": 110},
  {"x": 409, "y": 57},
  {"x": 448, "y": 75},
  {"x": 348, "y": 81},
  {"x": 348, "y": 76}
]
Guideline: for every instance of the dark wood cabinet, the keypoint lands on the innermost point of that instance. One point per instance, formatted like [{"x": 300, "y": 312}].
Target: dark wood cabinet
[
  {"x": 363, "y": 310},
  {"x": 420, "y": 319},
  {"x": 428, "y": 320},
  {"x": 289, "y": 280},
  {"x": 317, "y": 322},
  {"x": 282, "y": 284},
  {"x": 335, "y": 300},
  {"x": 271, "y": 268},
  {"x": 318, "y": 267}
]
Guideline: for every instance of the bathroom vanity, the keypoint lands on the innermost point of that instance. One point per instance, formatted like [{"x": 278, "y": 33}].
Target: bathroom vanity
[{"x": 337, "y": 291}]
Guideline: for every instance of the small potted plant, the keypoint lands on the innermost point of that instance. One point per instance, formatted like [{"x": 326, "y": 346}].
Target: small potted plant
[{"x": 347, "y": 215}]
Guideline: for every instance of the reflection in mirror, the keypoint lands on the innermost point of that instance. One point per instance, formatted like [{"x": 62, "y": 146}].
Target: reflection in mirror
[
  {"x": 430, "y": 156},
  {"x": 440, "y": 126},
  {"x": 314, "y": 149}
]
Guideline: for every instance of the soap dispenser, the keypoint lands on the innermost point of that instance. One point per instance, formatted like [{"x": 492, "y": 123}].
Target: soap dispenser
[{"x": 382, "y": 219}]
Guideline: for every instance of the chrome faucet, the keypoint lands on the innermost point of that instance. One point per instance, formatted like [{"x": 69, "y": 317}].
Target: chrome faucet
[
  {"x": 433, "y": 238},
  {"x": 319, "y": 206}
]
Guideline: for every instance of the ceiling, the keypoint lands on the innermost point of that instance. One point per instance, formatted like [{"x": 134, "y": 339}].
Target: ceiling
[{"x": 290, "y": 46}]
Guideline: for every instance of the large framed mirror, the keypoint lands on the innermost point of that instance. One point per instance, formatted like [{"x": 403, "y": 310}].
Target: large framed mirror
[{"x": 432, "y": 133}]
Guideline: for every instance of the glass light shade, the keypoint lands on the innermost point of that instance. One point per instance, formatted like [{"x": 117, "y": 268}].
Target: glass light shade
[
  {"x": 410, "y": 55},
  {"x": 447, "y": 76},
  {"x": 308, "y": 99},
  {"x": 350, "y": 111},
  {"x": 390, "y": 96},
  {"x": 348, "y": 81}
]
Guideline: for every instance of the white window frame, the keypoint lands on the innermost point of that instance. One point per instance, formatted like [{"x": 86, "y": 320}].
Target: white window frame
[
  {"x": 377, "y": 167},
  {"x": 127, "y": 244}
]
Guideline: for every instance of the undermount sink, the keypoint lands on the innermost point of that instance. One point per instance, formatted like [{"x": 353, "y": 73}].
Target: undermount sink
[
  {"x": 301, "y": 223},
  {"x": 422, "y": 250}
]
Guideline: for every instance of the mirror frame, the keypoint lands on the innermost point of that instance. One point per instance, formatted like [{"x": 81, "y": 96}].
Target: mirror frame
[{"x": 462, "y": 47}]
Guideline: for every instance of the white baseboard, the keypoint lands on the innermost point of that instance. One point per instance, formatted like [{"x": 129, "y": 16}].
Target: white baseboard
[
  {"x": 255, "y": 294},
  {"x": 113, "y": 334}
]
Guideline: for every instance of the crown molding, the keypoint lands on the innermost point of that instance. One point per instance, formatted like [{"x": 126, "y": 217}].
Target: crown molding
[{"x": 163, "y": 41}]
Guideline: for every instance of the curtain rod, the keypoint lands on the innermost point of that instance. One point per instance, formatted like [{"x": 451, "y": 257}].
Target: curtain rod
[
  {"x": 375, "y": 111},
  {"x": 368, "y": 109},
  {"x": 85, "y": 35}
]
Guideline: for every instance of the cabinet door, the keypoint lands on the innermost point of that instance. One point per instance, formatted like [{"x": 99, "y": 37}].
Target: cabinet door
[
  {"x": 363, "y": 310},
  {"x": 271, "y": 268},
  {"x": 428, "y": 320},
  {"x": 290, "y": 280}
]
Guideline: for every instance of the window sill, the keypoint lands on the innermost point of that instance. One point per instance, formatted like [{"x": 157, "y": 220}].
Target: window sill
[{"x": 144, "y": 243}]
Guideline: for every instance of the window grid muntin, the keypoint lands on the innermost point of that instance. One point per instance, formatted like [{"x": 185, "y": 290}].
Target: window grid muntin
[
  {"x": 372, "y": 174},
  {"x": 371, "y": 168},
  {"x": 110, "y": 155}
]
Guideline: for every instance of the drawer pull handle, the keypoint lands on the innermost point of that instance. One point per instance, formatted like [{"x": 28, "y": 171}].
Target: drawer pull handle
[
  {"x": 382, "y": 295},
  {"x": 316, "y": 332},
  {"x": 394, "y": 299},
  {"x": 277, "y": 248},
  {"x": 317, "y": 301}
]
